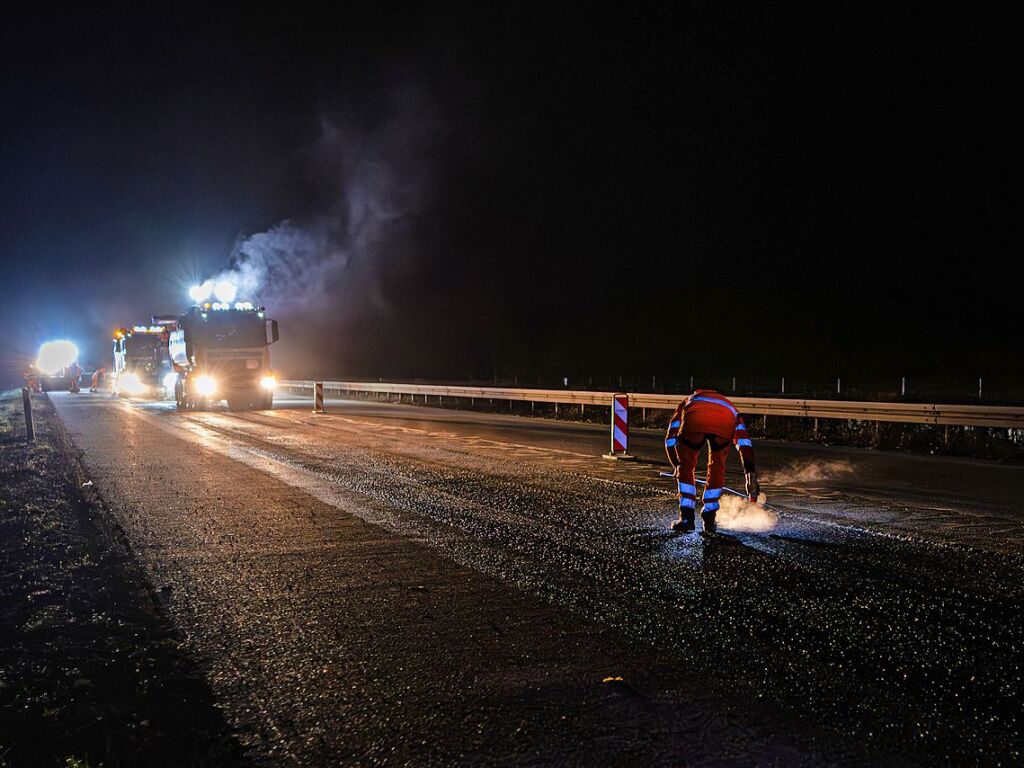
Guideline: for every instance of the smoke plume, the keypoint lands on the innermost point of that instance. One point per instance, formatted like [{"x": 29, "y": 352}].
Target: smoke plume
[{"x": 368, "y": 186}]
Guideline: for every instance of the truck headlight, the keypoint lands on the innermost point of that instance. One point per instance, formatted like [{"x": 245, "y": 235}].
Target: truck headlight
[
  {"x": 130, "y": 384},
  {"x": 268, "y": 382},
  {"x": 205, "y": 385}
]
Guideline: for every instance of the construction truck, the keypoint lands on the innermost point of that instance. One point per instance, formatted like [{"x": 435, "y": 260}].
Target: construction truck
[
  {"x": 221, "y": 351},
  {"x": 141, "y": 364}
]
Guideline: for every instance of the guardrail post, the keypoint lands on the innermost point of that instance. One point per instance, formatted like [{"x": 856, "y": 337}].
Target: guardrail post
[
  {"x": 620, "y": 428},
  {"x": 318, "y": 397},
  {"x": 26, "y": 401}
]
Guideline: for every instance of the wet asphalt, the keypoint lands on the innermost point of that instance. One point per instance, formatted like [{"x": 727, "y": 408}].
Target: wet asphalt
[{"x": 402, "y": 585}]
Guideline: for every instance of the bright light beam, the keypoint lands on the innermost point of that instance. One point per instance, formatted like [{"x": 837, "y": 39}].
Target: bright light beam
[
  {"x": 54, "y": 355},
  {"x": 200, "y": 292},
  {"x": 205, "y": 385},
  {"x": 130, "y": 384}
]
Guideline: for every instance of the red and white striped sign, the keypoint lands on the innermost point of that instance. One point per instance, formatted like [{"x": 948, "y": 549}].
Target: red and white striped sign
[
  {"x": 318, "y": 397},
  {"x": 620, "y": 423}
]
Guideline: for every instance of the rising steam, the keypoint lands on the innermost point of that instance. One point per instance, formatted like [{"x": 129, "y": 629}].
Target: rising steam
[
  {"x": 370, "y": 185},
  {"x": 286, "y": 260},
  {"x": 809, "y": 472},
  {"x": 738, "y": 514}
]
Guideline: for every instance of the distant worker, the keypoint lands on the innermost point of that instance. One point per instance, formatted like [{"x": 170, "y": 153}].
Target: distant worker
[
  {"x": 97, "y": 379},
  {"x": 74, "y": 376},
  {"x": 706, "y": 417},
  {"x": 31, "y": 380}
]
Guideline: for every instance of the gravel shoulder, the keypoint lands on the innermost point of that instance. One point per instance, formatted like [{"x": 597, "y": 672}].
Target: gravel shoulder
[{"x": 90, "y": 673}]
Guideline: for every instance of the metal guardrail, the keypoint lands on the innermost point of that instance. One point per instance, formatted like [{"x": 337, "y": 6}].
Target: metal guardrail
[{"x": 912, "y": 413}]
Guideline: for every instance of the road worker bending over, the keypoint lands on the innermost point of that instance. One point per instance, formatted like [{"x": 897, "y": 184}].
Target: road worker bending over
[{"x": 706, "y": 416}]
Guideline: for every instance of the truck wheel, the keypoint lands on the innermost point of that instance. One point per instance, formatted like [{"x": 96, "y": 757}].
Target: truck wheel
[
  {"x": 266, "y": 402},
  {"x": 179, "y": 396}
]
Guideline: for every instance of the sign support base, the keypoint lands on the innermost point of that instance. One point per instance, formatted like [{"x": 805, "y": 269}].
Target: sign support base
[{"x": 619, "y": 456}]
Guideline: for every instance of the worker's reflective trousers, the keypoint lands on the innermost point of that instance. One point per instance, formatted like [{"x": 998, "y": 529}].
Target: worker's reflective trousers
[{"x": 687, "y": 449}]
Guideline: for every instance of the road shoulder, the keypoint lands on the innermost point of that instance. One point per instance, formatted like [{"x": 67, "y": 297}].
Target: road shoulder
[{"x": 90, "y": 670}]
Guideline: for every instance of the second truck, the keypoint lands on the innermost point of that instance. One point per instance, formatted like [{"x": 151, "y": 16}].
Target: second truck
[{"x": 140, "y": 363}]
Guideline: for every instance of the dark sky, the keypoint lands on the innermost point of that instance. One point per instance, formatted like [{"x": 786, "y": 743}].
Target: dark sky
[{"x": 539, "y": 189}]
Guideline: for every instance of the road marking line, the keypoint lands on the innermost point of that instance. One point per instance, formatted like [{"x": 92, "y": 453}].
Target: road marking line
[{"x": 320, "y": 423}]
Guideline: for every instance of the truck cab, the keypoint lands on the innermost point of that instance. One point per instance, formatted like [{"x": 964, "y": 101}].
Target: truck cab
[
  {"x": 221, "y": 351},
  {"x": 140, "y": 363}
]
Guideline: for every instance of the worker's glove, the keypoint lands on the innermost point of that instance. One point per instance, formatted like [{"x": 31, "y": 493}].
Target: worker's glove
[{"x": 753, "y": 487}]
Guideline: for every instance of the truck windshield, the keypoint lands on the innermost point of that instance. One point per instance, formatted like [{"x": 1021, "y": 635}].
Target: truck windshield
[
  {"x": 145, "y": 347},
  {"x": 232, "y": 329}
]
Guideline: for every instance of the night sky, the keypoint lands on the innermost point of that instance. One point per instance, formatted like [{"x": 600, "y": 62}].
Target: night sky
[{"x": 538, "y": 190}]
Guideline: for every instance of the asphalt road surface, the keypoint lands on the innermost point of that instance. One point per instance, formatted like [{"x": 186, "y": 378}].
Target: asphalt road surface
[{"x": 405, "y": 585}]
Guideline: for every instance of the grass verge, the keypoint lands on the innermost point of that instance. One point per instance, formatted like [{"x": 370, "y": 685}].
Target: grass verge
[{"x": 90, "y": 672}]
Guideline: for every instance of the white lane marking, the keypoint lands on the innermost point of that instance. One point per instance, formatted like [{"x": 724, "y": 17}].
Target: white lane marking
[{"x": 436, "y": 435}]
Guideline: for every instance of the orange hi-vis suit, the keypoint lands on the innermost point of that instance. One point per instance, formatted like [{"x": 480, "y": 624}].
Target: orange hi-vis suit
[{"x": 705, "y": 416}]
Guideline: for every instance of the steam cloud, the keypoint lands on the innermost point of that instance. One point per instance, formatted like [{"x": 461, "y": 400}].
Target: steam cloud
[
  {"x": 285, "y": 262},
  {"x": 809, "y": 472},
  {"x": 738, "y": 514},
  {"x": 371, "y": 184}
]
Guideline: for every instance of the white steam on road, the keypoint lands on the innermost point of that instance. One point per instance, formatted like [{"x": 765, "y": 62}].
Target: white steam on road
[
  {"x": 738, "y": 514},
  {"x": 810, "y": 471}
]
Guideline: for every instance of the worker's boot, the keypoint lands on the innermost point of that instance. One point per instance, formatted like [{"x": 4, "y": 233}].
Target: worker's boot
[
  {"x": 685, "y": 523},
  {"x": 708, "y": 518}
]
